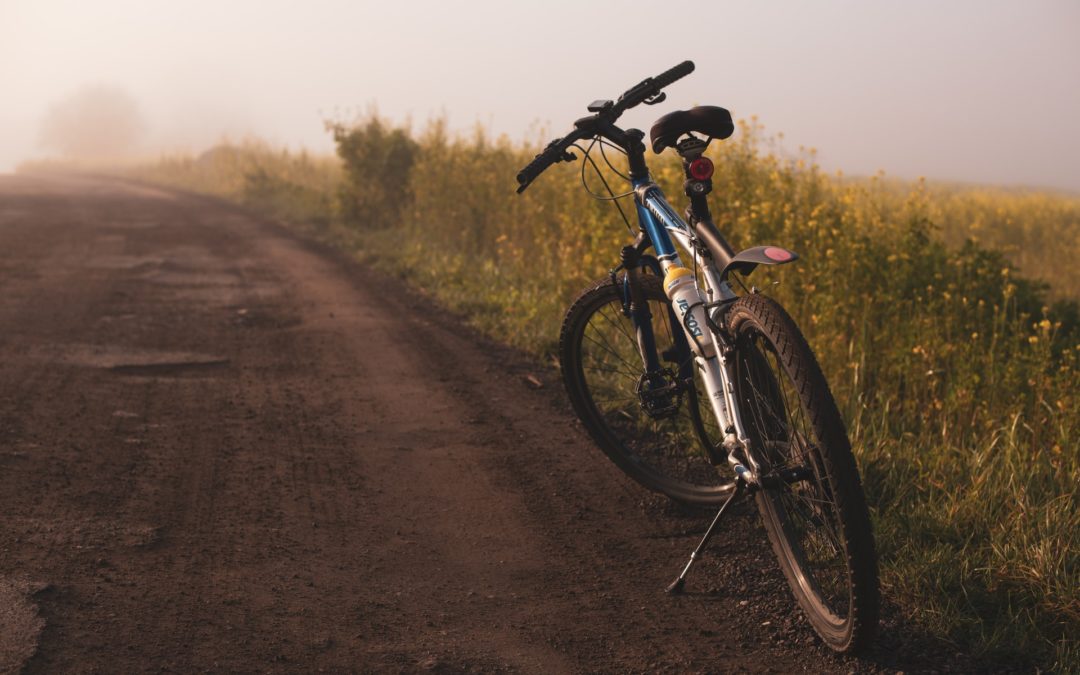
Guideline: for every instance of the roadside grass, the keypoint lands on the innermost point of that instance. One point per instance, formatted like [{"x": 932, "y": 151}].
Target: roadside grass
[
  {"x": 290, "y": 186},
  {"x": 959, "y": 376}
]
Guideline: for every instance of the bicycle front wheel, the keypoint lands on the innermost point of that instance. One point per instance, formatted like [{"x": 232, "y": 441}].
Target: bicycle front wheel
[
  {"x": 812, "y": 503},
  {"x": 655, "y": 427}
]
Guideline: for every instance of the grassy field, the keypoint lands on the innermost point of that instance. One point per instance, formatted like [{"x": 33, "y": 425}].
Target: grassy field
[{"x": 944, "y": 317}]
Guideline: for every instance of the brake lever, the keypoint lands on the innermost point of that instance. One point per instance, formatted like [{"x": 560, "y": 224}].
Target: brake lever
[
  {"x": 564, "y": 156},
  {"x": 656, "y": 98}
]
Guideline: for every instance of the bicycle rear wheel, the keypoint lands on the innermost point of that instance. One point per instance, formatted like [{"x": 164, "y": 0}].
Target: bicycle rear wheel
[
  {"x": 657, "y": 436},
  {"x": 813, "y": 504}
]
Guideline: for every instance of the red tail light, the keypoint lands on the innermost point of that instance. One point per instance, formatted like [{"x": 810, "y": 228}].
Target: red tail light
[{"x": 701, "y": 168}]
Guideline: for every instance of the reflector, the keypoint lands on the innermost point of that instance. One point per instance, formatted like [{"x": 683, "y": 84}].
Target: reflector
[{"x": 701, "y": 168}]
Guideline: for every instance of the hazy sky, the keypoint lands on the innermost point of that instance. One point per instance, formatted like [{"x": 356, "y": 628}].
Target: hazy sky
[{"x": 983, "y": 91}]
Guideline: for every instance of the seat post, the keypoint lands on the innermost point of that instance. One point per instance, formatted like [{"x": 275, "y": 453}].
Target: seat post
[{"x": 698, "y": 214}]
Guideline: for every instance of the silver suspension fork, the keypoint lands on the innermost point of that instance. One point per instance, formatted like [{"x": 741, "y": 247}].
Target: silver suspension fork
[
  {"x": 718, "y": 372},
  {"x": 741, "y": 440},
  {"x": 719, "y": 378}
]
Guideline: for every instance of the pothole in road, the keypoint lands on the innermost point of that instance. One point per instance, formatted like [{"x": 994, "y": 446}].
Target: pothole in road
[
  {"x": 195, "y": 279},
  {"x": 169, "y": 368},
  {"x": 136, "y": 361}
]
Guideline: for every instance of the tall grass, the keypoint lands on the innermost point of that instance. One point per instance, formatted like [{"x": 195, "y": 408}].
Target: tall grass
[{"x": 959, "y": 376}]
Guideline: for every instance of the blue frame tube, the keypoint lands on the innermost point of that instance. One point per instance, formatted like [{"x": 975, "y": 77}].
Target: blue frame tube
[
  {"x": 658, "y": 235},
  {"x": 656, "y": 217}
]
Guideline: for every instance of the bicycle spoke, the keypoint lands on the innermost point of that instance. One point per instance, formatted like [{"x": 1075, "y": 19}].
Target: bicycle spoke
[
  {"x": 609, "y": 369},
  {"x": 618, "y": 325},
  {"x": 630, "y": 368},
  {"x": 650, "y": 418}
]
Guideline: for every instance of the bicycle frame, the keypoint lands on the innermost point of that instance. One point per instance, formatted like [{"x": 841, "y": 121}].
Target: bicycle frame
[
  {"x": 658, "y": 220},
  {"x": 660, "y": 224}
]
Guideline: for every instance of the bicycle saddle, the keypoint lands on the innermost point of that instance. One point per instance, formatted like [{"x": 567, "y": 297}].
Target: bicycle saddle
[{"x": 710, "y": 120}]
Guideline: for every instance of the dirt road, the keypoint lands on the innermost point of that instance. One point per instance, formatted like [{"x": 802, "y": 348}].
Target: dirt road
[{"x": 223, "y": 448}]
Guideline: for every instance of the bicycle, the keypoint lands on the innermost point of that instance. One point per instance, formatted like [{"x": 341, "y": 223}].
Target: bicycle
[{"x": 702, "y": 393}]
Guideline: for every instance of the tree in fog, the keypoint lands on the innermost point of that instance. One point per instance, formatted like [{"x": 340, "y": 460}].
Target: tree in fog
[{"x": 96, "y": 121}]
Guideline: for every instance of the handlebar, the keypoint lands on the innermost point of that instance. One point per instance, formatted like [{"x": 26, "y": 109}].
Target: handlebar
[
  {"x": 556, "y": 151},
  {"x": 651, "y": 86},
  {"x": 671, "y": 75}
]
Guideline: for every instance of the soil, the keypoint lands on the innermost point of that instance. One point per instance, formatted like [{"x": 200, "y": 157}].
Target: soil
[{"x": 226, "y": 448}]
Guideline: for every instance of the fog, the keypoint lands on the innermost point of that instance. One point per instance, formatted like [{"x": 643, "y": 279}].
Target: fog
[{"x": 966, "y": 91}]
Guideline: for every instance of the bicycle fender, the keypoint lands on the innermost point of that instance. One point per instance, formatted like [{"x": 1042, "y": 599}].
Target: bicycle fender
[{"x": 747, "y": 260}]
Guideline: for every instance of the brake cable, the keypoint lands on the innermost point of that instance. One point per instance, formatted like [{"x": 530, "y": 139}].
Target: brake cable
[{"x": 612, "y": 196}]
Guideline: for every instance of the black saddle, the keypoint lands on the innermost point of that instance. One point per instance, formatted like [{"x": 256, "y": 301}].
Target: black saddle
[{"x": 710, "y": 120}]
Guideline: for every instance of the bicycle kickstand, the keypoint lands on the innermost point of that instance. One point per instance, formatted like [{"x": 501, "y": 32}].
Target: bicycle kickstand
[{"x": 677, "y": 585}]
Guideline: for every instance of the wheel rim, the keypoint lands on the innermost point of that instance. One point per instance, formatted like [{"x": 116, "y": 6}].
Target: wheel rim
[
  {"x": 802, "y": 506},
  {"x": 669, "y": 448}
]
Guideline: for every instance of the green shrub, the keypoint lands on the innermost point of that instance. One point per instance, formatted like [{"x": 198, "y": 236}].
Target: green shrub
[{"x": 378, "y": 161}]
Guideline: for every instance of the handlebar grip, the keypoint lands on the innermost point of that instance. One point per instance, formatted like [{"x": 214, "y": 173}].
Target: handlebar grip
[
  {"x": 534, "y": 169},
  {"x": 672, "y": 74}
]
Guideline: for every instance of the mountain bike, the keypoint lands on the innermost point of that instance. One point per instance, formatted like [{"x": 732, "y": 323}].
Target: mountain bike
[{"x": 704, "y": 390}]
